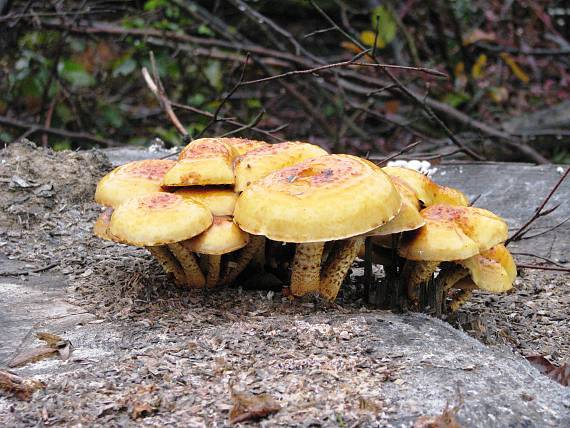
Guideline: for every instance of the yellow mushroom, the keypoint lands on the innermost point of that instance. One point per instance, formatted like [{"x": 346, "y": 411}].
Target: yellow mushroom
[
  {"x": 328, "y": 198},
  {"x": 130, "y": 180},
  {"x": 260, "y": 162},
  {"x": 163, "y": 219},
  {"x": 222, "y": 237},
  {"x": 450, "y": 233}
]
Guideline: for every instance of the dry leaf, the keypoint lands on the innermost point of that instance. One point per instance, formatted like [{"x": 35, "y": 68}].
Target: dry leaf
[
  {"x": 478, "y": 35},
  {"x": 479, "y": 66},
  {"x": 251, "y": 407},
  {"x": 559, "y": 374},
  {"x": 31, "y": 356},
  {"x": 20, "y": 388},
  {"x": 51, "y": 340},
  {"x": 445, "y": 420},
  {"x": 517, "y": 71}
]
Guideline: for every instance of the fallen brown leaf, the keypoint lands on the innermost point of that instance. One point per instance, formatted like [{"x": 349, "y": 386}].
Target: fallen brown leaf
[
  {"x": 248, "y": 406},
  {"x": 55, "y": 345},
  {"x": 20, "y": 388},
  {"x": 559, "y": 374},
  {"x": 445, "y": 420},
  {"x": 31, "y": 356}
]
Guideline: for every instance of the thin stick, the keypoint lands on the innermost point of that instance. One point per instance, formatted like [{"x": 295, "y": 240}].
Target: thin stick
[
  {"x": 538, "y": 257},
  {"x": 226, "y": 98},
  {"x": 401, "y": 152},
  {"x": 32, "y": 128},
  {"x": 349, "y": 62},
  {"x": 550, "y": 229},
  {"x": 538, "y": 212},
  {"x": 558, "y": 269},
  {"x": 156, "y": 87}
]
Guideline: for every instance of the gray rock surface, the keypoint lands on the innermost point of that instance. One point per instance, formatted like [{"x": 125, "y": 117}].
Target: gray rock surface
[{"x": 326, "y": 365}]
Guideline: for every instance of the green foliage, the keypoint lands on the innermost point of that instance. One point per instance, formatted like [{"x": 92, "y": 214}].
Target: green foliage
[
  {"x": 387, "y": 26},
  {"x": 75, "y": 74}
]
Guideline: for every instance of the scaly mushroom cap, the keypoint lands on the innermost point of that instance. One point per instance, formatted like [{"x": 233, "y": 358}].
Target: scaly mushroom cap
[
  {"x": 244, "y": 145},
  {"x": 261, "y": 162},
  {"x": 101, "y": 226},
  {"x": 408, "y": 218},
  {"x": 203, "y": 162},
  {"x": 158, "y": 219},
  {"x": 492, "y": 270},
  {"x": 453, "y": 233},
  {"x": 219, "y": 201},
  {"x": 322, "y": 199},
  {"x": 222, "y": 237},
  {"x": 130, "y": 180},
  {"x": 426, "y": 190}
]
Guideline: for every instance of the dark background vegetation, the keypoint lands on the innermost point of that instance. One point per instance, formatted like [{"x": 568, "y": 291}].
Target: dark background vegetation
[{"x": 70, "y": 74}]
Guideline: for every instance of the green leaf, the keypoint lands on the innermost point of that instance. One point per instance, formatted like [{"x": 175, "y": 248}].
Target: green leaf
[
  {"x": 61, "y": 146},
  {"x": 75, "y": 74},
  {"x": 204, "y": 30},
  {"x": 386, "y": 22},
  {"x": 455, "y": 99},
  {"x": 196, "y": 99},
  {"x": 124, "y": 67},
  {"x": 112, "y": 116},
  {"x": 213, "y": 72},
  {"x": 154, "y": 4},
  {"x": 253, "y": 103}
]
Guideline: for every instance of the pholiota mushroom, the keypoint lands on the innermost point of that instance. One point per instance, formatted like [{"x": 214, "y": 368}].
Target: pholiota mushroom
[
  {"x": 259, "y": 163},
  {"x": 450, "y": 233},
  {"x": 206, "y": 161},
  {"x": 222, "y": 237},
  {"x": 328, "y": 198},
  {"x": 220, "y": 201},
  {"x": 162, "y": 254},
  {"x": 130, "y": 180},
  {"x": 244, "y": 145},
  {"x": 427, "y": 191},
  {"x": 493, "y": 270},
  {"x": 159, "y": 221}
]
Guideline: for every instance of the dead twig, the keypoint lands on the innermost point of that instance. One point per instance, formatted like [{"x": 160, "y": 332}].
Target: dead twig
[
  {"x": 395, "y": 155},
  {"x": 558, "y": 269},
  {"x": 155, "y": 85},
  {"x": 538, "y": 257},
  {"x": 538, "y": 212},
  {"x": 33, "y": 128}
]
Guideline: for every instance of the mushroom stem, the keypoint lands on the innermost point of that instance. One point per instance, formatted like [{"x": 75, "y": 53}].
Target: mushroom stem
[
  {"x": 337, "y": 267},
  {"x": 451, "y": 275},
  {"x": 169, "y": 263},
  {"x": 246, "y": 254},
  {"x": 416, "y": 273},
  {"x": 194, "y": 276},
  {"x": 213, "y": 277},
  {"x": 306, "y": 268},
  {"x": 461, "y": 297}
]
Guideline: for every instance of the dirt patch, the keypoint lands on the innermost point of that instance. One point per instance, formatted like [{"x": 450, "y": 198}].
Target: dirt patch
[{"x": 38, "y": 182}]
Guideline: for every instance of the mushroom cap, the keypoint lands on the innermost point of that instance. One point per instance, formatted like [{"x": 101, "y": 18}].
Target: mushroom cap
[
  {"x": 321, "y": 199},
  {"x": 427, "y": 191},
  {"x": 203, "y": 162},
  {"x": 101, "y": 226},
  {"x": 244, "y": 145},
  {"x": 262, "y": 161},
  {"x": 131, "y": 179},
  {"x": 222, "y": 237},
  {"x": 219, "y": 201},
  {"x": 453, "y": 233},
  {"x": 408, "y": 218},
  {"x": 493, "y": 270},
  {"x": 158, "y": 219}
]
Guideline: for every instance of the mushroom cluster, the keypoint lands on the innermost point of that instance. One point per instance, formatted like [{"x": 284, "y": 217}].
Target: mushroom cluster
[{"x": 229, "y": 202}]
